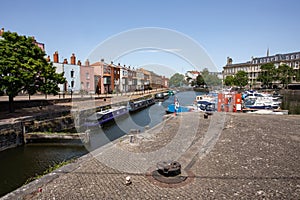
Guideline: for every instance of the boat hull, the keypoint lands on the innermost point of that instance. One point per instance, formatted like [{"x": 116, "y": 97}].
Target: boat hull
[
  {"x": 106, "y": 116},
  {"x": 139, "y": 105},
  {"x": 171, "y": 109}
]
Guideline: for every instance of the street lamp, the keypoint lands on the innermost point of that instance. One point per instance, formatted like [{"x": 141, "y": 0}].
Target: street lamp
[
  {"x": 72, "y": 82},
  {"x": 71, "y": 90}
]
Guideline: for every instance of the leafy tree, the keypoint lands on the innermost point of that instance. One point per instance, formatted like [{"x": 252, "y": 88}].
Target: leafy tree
[
  {"x": 297, "y": 74},
  {"x": 267, "y": 75},
  {"x": 177, "y": 80},
  {"x": 229, "y": 81},
  {"x": 200, "y": 80},
  {"x": 241, "y": 78},
  {"x": 23, "y": 67},
  {"x": 193, "y": 83},
  {"x": 285, "y": 74},
  {"x": 210, "y": 79}
]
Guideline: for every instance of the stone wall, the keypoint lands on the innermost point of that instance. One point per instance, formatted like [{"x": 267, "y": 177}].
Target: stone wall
[{"x": 11, "y": 135}]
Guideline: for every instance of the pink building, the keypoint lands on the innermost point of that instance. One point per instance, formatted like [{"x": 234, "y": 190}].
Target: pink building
[{"x": 87, "y": 78}]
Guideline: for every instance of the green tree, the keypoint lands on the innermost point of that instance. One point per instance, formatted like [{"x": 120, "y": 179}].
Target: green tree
[
  {"x": 297, "y": 74},
  {"x": 210, "y": 79},
  {"x": 241, "y": 78},
  {"x": 285, "y": 74},
  {"x": 200, "y": 80},
  {"x": 177, "y": 80},
  {"x": 267, "y": 75},
  {"x": 229, "y": 81},
  {"x": 23, "y": 67}
]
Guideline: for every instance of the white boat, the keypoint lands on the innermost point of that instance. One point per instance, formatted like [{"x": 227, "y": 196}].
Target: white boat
[
  {"x": 270, "y": 112},
  {"x": 208, "y": 98},
  {"x": 205, "y": 103},
  {"x": 261, "y": 103}
]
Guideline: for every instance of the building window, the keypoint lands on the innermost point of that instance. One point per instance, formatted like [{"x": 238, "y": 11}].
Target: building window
[
  {"x": 297, "y": 56},
  {"x": 292, "y": 57},
  {"x": 87, "y": 85},
  {"x": 106, "y": 69},
  {"x": 72, "y": 73},
  {"x": 87, "y": 76},
  {"x": 72, "y": 84},
  {"x": 287, "y": 57},
  {"x": 268, "y": 60}
]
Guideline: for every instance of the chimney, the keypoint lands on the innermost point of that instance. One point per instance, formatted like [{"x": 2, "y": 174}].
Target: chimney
[
  {"x": 229, "y": 61},
  {"x": 87, "y": 62},
  {"x": 55, "y": 57},
  {"x": 1, "y": 31},
  {"x": 111, "y": 62},
  {"x": 48, "y": 58},
  {"x": 65, "y": 61},
  {"x": 73, "y": 59},
  {"x": 79, "y": 63},
  {"x": 102, "y": 60}
]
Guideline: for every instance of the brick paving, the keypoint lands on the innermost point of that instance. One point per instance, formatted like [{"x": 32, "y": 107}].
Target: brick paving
[{"x": 253, "y": 157}]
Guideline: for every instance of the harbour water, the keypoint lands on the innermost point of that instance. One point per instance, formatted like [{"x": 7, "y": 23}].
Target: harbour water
[{"x": 21, "y": 163}]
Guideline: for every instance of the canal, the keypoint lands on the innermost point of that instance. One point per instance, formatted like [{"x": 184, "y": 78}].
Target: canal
[{"x": 21, "y": 163}]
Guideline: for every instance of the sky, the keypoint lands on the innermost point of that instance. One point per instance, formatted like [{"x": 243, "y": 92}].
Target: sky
[{"x": 235, "y": 28}]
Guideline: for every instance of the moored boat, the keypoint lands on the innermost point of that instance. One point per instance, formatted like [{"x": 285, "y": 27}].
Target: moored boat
[
  {"x": 172, "y": 108},
  {"x": 162, "y": 96},
  {"x": 206, "y": 106},
  {"x": 140, "y": 104},
  {"x": 206, "y": 103},
  {"x": 261, "y": 103},
  {"x": 99, "y": 118}
]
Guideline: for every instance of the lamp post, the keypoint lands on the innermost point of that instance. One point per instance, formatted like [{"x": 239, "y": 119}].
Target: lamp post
[
  {"x": 72, "y": 82},
  {"x": 71, "y": 90}
]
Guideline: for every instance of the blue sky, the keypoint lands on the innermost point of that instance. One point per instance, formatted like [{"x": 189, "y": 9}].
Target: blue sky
[{"x": 239, "y": 29}]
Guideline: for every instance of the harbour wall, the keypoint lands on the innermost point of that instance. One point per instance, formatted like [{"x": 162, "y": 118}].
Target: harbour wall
[{"x": 13, "y": 134}]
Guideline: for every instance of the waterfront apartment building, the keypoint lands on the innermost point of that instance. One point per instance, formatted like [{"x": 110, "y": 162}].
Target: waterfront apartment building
[
  {"x": 253, "y": 70},
  {"x": 103, "y": 78},
  {"x": 87, "y": 82},
  {"x": 71, "y": 73}
]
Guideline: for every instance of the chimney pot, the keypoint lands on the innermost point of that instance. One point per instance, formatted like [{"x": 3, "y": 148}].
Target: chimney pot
[
  {"x": 65, "y": 61},
  {"x": 73, "y": 59},
  {"x": 79, "y": 63},
  {"x": 87, "y": 62},
  {"x": 55, "y": 57}
]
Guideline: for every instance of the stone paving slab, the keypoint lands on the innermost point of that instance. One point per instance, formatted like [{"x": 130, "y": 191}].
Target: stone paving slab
[{"x": 254, "y": 157}]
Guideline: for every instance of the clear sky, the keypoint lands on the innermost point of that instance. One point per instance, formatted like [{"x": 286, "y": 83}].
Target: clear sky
[{"x": 236, "y": 28}]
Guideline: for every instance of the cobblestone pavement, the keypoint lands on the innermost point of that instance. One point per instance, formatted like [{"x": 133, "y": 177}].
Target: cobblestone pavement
[{"x": 254, "y": 157}]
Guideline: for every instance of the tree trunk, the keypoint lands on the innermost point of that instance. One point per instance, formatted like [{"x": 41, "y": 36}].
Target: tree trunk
[{"x": 11, "y": 104}]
